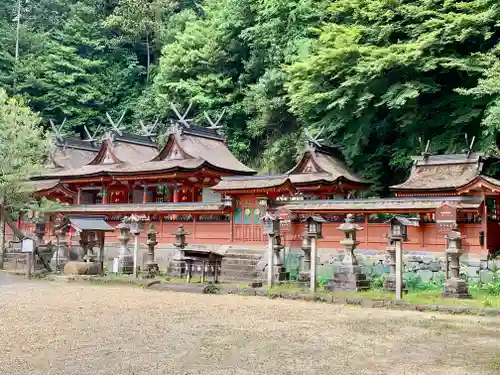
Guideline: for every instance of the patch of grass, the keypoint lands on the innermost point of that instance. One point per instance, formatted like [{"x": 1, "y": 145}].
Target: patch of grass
[{"x": 494, "y": 363}]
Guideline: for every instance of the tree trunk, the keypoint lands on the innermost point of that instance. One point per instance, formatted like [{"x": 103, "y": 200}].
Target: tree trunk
[{"x": 2, "y": 236}]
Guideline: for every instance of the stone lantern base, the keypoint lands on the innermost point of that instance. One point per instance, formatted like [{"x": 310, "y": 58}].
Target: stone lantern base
[
  {"x": 280, "y": 274},
  {"x": 150, "y": 270},
  {"x": 126, "y": 264},
  {"x": 390, "y": 284},
  {"x": 455, "y": 288},
  {"x": 349, "y": 278}
]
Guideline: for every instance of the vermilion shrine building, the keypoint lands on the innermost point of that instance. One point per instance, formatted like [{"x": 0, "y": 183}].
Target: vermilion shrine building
[{"x": 195, "y": 180}]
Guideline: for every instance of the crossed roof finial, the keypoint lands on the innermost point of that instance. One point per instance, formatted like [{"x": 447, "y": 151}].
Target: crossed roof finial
[
  {"x": 470, "y": 145},
  {"x": 58, "y": 131},
  {"x": 148, "y": 130},
  {"x": 182, "y": 118},
  {"x": 314, "y": 141},
  {"x": 215, "y": 125},
  {"x": 91, "y": 137},
  {"x": 425, "y": 151},
  {"x": 116, "y": 125}
]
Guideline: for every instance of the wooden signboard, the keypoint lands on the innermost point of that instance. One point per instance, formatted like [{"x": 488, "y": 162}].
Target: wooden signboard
[{"x": 446, "y": 217}]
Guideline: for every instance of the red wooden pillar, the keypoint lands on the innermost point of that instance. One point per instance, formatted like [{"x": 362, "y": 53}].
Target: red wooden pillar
[
  {"x": 422, "y": 231},
  {"x": 177, "y": 194},
  {"x": 145, "y": 194},
  {"x": 176, "y": 198},
  {"x": 366, "y": 231},
  {"x": 104, "y": 194},
  {"x": 194, "y": 226}
]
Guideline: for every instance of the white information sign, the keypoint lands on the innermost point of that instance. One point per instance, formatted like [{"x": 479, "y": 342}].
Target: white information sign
[{"x": 28, "y": 245}]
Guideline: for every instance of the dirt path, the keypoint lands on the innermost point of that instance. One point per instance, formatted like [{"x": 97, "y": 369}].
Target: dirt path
[{"x": 51, "y": 328}]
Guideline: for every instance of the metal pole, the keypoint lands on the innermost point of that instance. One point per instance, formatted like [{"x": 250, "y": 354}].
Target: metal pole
[
  {"x": 313, "y": 264},
  {"x": 270, "y": 262},
  {"x": 399, "y": 270},
  {"x": 136, "y": 254}
]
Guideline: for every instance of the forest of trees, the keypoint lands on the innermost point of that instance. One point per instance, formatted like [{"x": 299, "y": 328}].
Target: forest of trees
[{"x": 376, "y": 74}]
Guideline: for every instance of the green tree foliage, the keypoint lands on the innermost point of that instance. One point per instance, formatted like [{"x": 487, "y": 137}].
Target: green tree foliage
[
  {"x": 377, "y": 74},
  {"x": 22, "y": 149},
  {"x": 383, "y": 73}
]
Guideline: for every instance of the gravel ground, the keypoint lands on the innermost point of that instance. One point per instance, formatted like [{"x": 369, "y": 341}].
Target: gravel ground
[{"x": 52, "y": 328}]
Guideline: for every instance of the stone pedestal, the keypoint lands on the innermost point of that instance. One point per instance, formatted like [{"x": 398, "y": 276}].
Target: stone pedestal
[
  {"x": 455, "y": 288},
  {"x": 280, "y": 274},
  {"x": 60, "y": 256},
  {"x": 349, "y": 278},
  {"x": 151, "y": 268},
  {"x": 305, "y": 266},
  {"x": 125, "y": 257},
  {"x": 279, "y": 270}
]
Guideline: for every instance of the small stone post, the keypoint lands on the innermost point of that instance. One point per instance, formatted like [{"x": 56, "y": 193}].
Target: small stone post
[
  {"x": 125, "y": 258},
  {"x": 390, "y": 280},
  {"x": 454, "y": 287},
  {"x": 350, "y": 276},
  {"x": 270, "y": 261},
  {"x": 180, "y": 263},
  {"x": 314, "y": 256},
  {"x": 60, "y": 255},
  {"x": 151, "y": 268},
  {"x": 304, "y": 274},
  {"x": 399, "y": 270}
]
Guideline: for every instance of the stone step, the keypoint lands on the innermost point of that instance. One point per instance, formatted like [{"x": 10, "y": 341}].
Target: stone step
[
  {"x": 238, "y": 274},
  {"x": 241, "y": 270},
  {"x": 242, "y": 256},
  {"x": 242, "y": 263}
]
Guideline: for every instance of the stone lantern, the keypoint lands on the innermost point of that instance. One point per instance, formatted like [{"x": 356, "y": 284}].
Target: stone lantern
[
  {"x": 271, "y": 225},
  {"x": 350, "y": 276},
  {"x": 454, "y": 287},
  {"x": 151, "y": 268},
  {"x": 136, "y": 226},
  {"x": 314, "y": 231},
  {"x": 398, "y": 234},
  {"x": 125, "y": 258},
  {"x": 306, "y": 259},
  {"x": 276, "y": 271},
  {"x": 180, "y": 264}
]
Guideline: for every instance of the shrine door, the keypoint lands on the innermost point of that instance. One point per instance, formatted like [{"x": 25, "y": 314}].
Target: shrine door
[{"x": 247, "y": 220}]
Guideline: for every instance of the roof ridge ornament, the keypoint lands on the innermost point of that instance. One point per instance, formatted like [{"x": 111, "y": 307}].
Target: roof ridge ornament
[
  {"x": 58, "y": 130},
  {"x": 468, "y": 150},
  {"x": 116, "y": 125},
  {"x": 313, "y": 142},
  {"x": 215, "y": 125},
  {"x": 148, "y": 130},
  {"x": 91, "y": 137},
  {"x": 425, "y": 153},
  {"x": 182, "y": 118},
  {"x": 174, "y": 128}
]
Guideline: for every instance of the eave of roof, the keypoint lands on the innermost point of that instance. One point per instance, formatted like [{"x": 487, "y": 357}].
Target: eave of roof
[
  {"x": 253, "y": 183},
  {"x": 384, "y": 205},
  {"x": 190, "y": 207}
]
